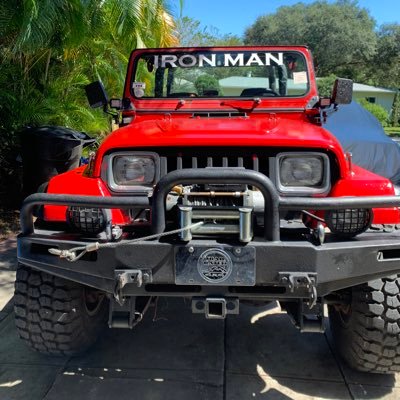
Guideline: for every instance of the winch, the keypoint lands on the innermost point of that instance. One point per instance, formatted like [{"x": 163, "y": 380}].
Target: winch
[{"x": 224, "y": 209}]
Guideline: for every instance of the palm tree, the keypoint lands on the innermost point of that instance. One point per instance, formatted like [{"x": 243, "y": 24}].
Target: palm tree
[{"x": 50, "y": 49}]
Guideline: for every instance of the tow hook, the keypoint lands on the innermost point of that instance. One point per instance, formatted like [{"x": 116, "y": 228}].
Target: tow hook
[
  {"x": 215, "y": 307},
  {"x": 125, "y": 276},
  {"x": 301, "y": 280}
]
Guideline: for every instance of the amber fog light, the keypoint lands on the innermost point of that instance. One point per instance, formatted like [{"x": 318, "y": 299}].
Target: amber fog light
[
  {"x": 87, "y": 220},
  {"x": 349, "y": 222}
]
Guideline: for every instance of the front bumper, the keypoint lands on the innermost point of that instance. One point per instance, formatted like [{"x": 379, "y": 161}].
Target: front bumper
[{"x": 283, "y": 269}]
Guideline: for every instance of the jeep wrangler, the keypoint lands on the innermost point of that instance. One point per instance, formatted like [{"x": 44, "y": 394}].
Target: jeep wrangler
[{"x": 222, "y": 186}]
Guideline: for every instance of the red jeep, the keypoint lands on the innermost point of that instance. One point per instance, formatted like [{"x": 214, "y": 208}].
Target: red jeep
[{"x": 220, "y": 185}]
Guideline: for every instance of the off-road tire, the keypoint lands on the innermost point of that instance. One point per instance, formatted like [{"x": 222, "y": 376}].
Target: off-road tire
[
  {"x": 53, "y": 315},
  {"x": 367, "y": 332}
]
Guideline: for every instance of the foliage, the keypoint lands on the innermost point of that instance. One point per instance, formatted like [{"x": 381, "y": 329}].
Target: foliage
[
  {"x": 325, "y": 85},
  {"x": 385, "y": 66},
  {"x": 50, "y": 49},
  {"x": 395, "y": 115},
  {"x": 375, "y": 109},
  {"x": 344, "y": 40},
  {"x": 206, "y": 82},
  {"x": 392, "y": 131},
  {"x": 191, "y": 34},
  {"x": 340, "y": 35}
]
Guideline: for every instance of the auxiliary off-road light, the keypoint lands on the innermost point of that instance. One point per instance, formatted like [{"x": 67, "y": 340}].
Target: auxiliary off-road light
[
  {"x": 348, "y": 222},
  {"x": 87, "y": 220}
]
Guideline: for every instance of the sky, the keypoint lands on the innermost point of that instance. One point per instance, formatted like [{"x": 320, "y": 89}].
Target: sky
[{"x": 234, "y": 16}]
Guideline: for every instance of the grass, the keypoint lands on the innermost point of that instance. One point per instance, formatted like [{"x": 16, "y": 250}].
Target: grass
[{"x": 392, "y": 131}]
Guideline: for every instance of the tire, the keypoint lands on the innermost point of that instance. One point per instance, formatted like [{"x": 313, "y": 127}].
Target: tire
[
  {"x": 56, "y": 316},
  {"x": 366, "y": 333}
]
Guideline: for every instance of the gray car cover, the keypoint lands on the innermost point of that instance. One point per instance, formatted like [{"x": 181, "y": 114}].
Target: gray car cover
[{"x": 360, "y": 133}]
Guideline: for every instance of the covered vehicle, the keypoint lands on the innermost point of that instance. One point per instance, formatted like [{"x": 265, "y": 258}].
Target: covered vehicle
[
  {"x": 220, "y": 186},
  {"x": 361, "y": 134}
]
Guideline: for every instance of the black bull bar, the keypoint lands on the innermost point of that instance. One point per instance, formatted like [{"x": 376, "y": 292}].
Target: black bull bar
[{"x": 273, "y": 202}]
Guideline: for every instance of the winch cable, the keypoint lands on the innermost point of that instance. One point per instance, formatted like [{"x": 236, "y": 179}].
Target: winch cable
[
  {"x": 71, "y": 254},
  {"x": 313, "y": 216}
]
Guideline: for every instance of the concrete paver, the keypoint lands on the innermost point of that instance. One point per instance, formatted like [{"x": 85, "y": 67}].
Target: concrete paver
[
  {"x": 171, "y": 354},
  {"x": 361, "y": 391},
  {"x": 69, "y": 387},
  {"x": 26, "y": 382},
  {"x": 169, "y": 338},
  {"x": 176, "y": 355},
  {"x": 246, "y": 387},
  {"x": 8, "y": 264},
  {"x": 267, "y": 340}
]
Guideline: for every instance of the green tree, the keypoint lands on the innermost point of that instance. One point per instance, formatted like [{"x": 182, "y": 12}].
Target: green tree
[
  {"x": 190, "y": 33},
  {"x": 395, "y": 115},
  {"x": 385, "y": 65},
  {"x": 50, "y": 49},
  {"x": 206, "y": 82},
  {"x": 340, "y": 35},
  {"x": 325, "y": 85}
]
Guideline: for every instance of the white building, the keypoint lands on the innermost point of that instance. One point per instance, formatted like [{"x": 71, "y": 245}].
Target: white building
[
  {"x": 376, "y": 95},
  {"x": 233, "y": 86}
]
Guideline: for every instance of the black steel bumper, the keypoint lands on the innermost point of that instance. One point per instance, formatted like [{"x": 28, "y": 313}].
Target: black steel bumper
[{"x": 331, "y": 266}]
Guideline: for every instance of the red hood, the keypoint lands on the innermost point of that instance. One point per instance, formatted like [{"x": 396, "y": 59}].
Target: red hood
[{"x": 257, "y": 131}]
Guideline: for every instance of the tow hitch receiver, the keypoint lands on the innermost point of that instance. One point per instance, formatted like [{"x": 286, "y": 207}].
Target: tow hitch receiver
[
  {"x": 215, "y": 307},
  {"x": 122, "y": 315},
  {"x": 305, "y": 318}
]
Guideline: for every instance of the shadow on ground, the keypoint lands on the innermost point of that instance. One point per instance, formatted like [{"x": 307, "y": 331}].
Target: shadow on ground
[
  {"x": 268, "y": 358},
  {"x": 176, "y": 355}
]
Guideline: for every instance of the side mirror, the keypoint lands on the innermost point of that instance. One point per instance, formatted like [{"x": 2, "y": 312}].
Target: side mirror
[
  {"x": 96, "y": 94},
  {"x": 342, "y": 92}
]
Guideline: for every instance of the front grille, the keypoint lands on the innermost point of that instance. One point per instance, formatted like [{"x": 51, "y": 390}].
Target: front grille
[
  {"x": 203, "y": 158},
  {"x": 261, "y": 159}
]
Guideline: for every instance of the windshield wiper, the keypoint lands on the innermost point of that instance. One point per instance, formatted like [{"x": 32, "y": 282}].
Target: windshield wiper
[{"x": 256, "y": 101}]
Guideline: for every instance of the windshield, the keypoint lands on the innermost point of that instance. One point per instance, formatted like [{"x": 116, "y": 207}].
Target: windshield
[{"x": 218, "y": 74}]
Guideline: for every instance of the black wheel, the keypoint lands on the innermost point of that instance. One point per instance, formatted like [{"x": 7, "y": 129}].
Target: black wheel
[
  {"x": 56, "y": 316},
  {"x": 366, "y": 332}
]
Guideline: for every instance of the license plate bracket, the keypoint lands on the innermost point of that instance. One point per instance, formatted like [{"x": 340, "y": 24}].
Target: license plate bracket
[{"x": 215, "y": 266}]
